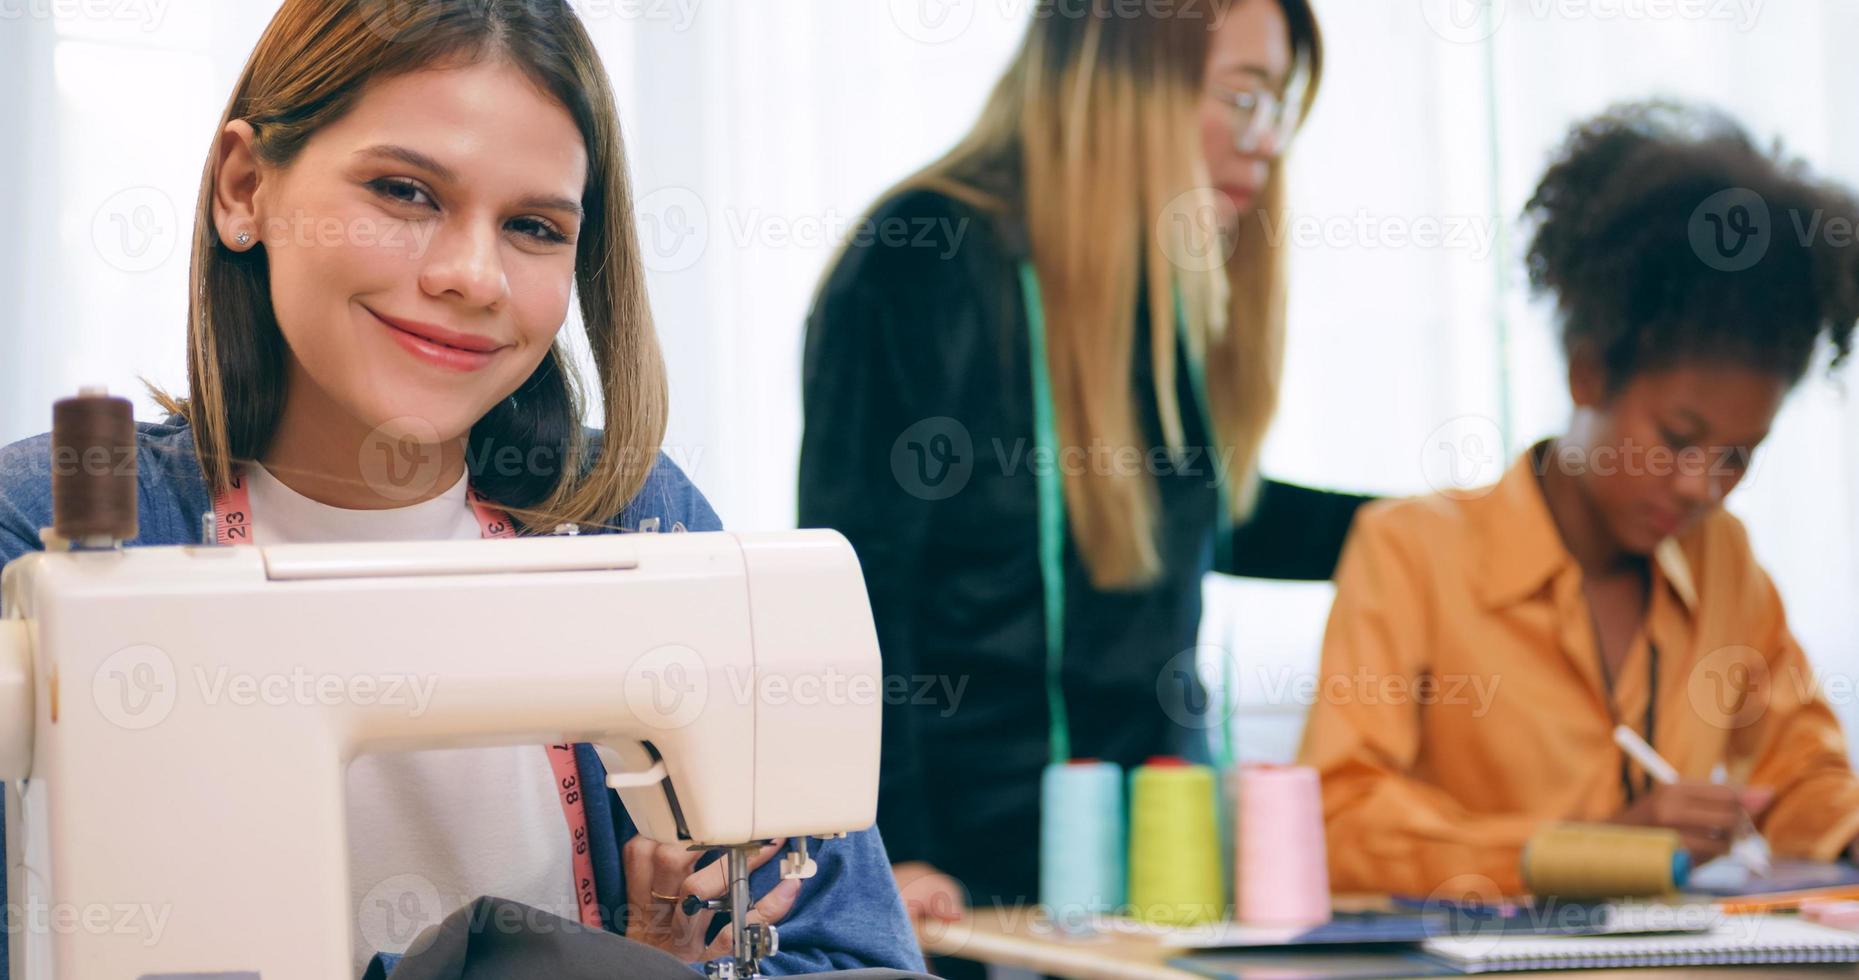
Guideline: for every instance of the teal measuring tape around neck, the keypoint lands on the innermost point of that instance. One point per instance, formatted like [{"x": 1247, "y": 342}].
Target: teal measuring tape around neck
[{"x": 1051, "y": 486}]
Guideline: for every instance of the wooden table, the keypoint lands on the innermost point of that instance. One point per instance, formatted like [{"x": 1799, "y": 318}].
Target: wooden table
[{"x": 1018, "y": 938}]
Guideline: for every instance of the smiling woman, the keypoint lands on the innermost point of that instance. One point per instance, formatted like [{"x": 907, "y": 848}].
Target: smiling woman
[
  {"x": 453, "y": 210},
  {"x": 448, "y": 280},
  {"x": 392, "y": 223}
]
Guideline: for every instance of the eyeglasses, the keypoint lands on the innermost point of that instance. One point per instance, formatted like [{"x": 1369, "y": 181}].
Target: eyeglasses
[{"x": 1258, "y": 116}]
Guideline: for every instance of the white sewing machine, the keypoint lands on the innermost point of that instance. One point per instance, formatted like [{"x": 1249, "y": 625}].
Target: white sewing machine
[{"x": 180, "y": 719}]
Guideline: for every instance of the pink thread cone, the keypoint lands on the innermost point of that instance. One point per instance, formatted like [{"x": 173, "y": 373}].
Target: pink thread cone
[{"x": 1283, "y": 874}]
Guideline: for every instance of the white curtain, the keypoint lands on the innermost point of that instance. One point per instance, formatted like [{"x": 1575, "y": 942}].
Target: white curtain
[{"x": 760, "y": 131}]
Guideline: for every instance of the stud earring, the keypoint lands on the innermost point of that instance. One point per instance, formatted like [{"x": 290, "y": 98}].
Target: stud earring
[{"x": 243, "y": 238}]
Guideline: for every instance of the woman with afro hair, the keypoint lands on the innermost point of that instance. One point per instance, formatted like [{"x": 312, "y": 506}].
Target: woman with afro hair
[{"x": 1601, "y": 582}]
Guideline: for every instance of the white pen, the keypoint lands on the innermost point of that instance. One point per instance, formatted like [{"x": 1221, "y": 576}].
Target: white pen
[
  {"x": 1661, "y": 771},
  {"x": 1655, "y": 765}
]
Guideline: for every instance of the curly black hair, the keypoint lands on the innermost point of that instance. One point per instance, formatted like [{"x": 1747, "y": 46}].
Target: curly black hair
[{"x": 1666, "y": 236}]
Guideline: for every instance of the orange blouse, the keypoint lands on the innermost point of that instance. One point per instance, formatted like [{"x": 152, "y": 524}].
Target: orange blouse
[{"x": 1464, "y": 704}]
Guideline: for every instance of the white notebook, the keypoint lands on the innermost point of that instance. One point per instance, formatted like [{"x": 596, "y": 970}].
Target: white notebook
[{"x": 1738, "y": 940}]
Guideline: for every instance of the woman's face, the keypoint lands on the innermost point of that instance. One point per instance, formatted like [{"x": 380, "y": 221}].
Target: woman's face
[
  {"x": 422, "y": 248},
  {"x": 1656, "y": 457},
  {"x": 1251, "y": 53}
]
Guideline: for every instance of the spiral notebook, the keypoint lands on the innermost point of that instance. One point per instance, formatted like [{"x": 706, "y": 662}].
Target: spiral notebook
[{"x": 1739, "y": 940}]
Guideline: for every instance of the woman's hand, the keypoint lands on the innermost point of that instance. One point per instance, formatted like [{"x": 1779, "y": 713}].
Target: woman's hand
[
  {"x": 929, "y": 895},
  {"x": 1706, "y": 815},
  {"x": 660, "y": 876}
]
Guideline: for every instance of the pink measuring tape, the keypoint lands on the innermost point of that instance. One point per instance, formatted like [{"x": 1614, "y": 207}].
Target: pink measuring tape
[{"x": 232, "y": 524}]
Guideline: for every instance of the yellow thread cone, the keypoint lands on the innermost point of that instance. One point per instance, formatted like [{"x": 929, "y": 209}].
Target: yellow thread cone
[{"x": 1176, "y": 875}]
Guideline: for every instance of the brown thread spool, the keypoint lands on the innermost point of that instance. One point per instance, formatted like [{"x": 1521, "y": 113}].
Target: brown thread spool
[
  {"x": 94, "y": 469},
  {"x": 1604, "y": 861}
]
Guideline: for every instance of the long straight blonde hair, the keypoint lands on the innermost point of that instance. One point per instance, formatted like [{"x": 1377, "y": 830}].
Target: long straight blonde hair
[
  {"x": 311, "y": 65},
  {"x": 1091, "y": 140}
]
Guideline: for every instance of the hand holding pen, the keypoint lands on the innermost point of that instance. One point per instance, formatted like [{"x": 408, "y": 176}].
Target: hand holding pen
[{"x": 1710, "y": 817}]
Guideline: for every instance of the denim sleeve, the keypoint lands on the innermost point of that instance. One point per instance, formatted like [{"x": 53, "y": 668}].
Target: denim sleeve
[
  {"x": 25, "y": 496},
  {"x": 671, "y": 498},
  {"x": 847, "y": 917}
]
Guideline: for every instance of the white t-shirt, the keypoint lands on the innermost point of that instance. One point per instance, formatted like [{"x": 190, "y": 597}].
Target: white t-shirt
[{"x": 431, "y": 831}]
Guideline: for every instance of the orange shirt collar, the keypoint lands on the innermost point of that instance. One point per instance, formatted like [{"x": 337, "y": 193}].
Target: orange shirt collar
[{"x": 1520, "y": 550}]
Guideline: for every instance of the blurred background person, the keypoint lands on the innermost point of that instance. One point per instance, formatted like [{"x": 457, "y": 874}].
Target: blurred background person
[{"x": 1115, "y": 205}]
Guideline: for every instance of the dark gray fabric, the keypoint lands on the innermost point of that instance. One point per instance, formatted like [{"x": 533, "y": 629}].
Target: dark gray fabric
[{"x": 497, "y": 939}]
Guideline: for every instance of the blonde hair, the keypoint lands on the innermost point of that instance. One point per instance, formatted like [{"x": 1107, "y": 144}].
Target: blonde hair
[
  {"x": 1094, "y": 128},
  {"x": 311, "y": 65}
]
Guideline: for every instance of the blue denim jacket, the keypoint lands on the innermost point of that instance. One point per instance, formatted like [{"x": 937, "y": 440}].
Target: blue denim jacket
[{"x": 848, "y": 916}]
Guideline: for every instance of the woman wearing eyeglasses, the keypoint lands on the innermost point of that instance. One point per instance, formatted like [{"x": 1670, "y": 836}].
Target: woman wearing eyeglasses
[{"x": 1035, "y": 395}]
